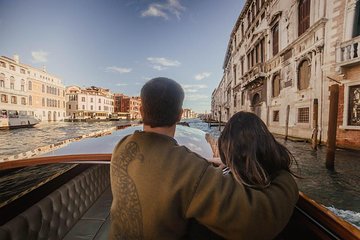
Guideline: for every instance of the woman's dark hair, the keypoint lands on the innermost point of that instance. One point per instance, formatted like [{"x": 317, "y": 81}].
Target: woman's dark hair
[
  {"x": 162, "y": 100},
  {"x": 251, "y": 152}
]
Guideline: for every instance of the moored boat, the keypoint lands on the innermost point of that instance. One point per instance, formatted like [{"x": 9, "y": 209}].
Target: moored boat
[
  {"x": 65, "y": 194},
  {"x": 10, "y": 119}
]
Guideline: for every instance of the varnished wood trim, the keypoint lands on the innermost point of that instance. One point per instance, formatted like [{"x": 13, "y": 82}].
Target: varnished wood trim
[
  {"x": 328, "y": 219},
  {"x": 54, "y": 159}
]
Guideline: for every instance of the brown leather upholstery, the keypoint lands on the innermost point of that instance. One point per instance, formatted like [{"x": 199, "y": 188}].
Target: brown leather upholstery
[{"x": 56, "y": 214}]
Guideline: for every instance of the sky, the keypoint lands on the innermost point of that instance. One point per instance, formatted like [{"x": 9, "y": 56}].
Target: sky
[{"x": 121, "y": 44}]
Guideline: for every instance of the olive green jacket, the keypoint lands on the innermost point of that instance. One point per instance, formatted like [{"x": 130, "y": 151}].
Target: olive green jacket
[{"x": 158, "y": 186}]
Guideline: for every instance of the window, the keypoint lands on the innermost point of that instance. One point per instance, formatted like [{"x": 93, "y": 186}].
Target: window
[
  {"x": 12, "y": 67},
  {"x": 304, "y": 16},
  {"x": 22, "y": 71},
  {"x": 99, "y": 100},
  {"x": 12, "y": 85},
  {"x": 91, "y": 107},
  {"x": 242, "y": 98},
  {"x": 356, "y": 29},
  {"x": 304, "y": 75},
  {"x": 275, "y": 39},
  {"x": 2, "y": 64},
  {"x": 23, "y": 101},
  {"x": 276, "y": 116},
  {"x": 242, "y": 66},
  {"x": 91, "y": 100},
  {"x": 2, "y": 80},
  {"x": 303, "y": 115},
  {"x": 58, "y": 103},
  {"x": 353, "y": 118},
  {"x": 83, "y": 107},
  {"x": 30, "y": 85},
  {"x": 99, "y": 108},
  {"x": 43, "y": 102},
  {"x": 235, "y": 99},
  {"x": 13, "y": 100},
  {"x": 22, "y": 85},
  {"x": 276, "y": 86},
  {"x": 83, "y": 99},
  {"x": 43, "y": 88},
  {"x": 30, "y": 100},
  {"x": 69, "y": 106},
  {"x": 4, "y": 98}
]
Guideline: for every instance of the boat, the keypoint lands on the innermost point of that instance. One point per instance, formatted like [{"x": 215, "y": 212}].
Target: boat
[
  {"x": 65, "y": 193},
  {"x": 10, "y": 119}
]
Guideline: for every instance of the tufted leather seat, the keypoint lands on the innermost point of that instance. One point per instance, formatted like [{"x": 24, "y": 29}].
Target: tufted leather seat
[{"x": 55, "y": 215}]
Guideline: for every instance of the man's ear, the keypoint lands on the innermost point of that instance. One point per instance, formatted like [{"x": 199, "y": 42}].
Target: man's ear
[{"x": 180, "y": 115}]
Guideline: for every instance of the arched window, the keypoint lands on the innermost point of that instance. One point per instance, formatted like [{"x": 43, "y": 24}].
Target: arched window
[
  {"x": 275, "y": 39},
  {"x": 304, "y": 15},
  {"x": 30, "y": 100},
  {"x": 304, "y": 75},
  {"x": 276, "y": 86},
  {"x": 30, "y": 86},
  {"x": 256, "y": 99}
]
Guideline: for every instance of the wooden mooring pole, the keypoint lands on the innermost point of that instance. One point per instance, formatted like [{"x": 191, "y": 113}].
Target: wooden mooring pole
[
  {"x": 287, "y": 122},
  {"x": 333, "y": 112},
  {"x": 220, "y": 122},
  {"x": 315, "y": 124}
]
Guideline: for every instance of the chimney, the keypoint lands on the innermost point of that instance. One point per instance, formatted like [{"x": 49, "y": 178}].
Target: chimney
[{"x": 16, "y": 58}]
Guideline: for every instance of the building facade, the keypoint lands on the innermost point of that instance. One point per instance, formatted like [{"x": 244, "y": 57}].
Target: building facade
[
  {"x": 282, "y": 57},
  {"x": 30, "y": 90},
  {"x": 89, "y": 103},
  {"x": 188, "y": 113},
  {"x": 134, "y": 108}
]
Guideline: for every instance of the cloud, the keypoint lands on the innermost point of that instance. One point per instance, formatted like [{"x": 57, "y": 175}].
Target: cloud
[
  {"x": 39, "y": 56},
  {"x": 121, "y": 84},
  {"x": 118, "y": 69},
  {"x": 164, "y": 9},
  {"x": 160, "y": 63},
  {"x": 193, "y": 88},
  {"x": 195, "y": 97},
  {"x": 201, "y": 76}
]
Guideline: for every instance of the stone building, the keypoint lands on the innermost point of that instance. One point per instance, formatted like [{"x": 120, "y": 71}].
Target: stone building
[
  {"x": 343, "y": 66},
  {"x": 134, "y": 107},
  {"x": 30, "y": 90},
  {"x": 127, "y": 107},
  {"x": 91, "y": 102},
  {"x": 188, "y": 113},
  {"x": 282, "y": 56}
]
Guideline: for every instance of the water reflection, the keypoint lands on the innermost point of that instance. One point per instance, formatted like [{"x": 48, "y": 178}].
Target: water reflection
[{"x": 21, "y": 140}]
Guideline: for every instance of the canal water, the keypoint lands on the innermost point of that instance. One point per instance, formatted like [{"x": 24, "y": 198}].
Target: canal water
[{"x": 337, "y": 190}]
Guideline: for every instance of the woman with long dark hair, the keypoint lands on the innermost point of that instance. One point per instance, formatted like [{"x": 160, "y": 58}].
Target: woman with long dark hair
[{"x": 251, "y": 152}]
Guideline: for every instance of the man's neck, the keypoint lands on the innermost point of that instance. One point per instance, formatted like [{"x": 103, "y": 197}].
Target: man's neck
[{"x": 168, "y": 131}]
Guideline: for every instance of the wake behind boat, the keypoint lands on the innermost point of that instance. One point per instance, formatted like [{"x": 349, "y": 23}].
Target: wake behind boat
[
  {"x": 65, "y": 194},
  {"x": 11, "y": 119}
]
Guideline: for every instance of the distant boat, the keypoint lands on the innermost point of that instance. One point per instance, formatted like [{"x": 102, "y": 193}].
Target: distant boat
[{"x": 10, "y": 119}]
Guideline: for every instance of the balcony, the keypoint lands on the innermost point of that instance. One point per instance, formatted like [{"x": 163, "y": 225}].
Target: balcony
[
  {"x": 256, "y": 73},
  {"x": 348, "y": 53}
]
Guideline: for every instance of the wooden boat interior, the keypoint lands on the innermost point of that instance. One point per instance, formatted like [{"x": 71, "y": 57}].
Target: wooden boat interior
[{"x": 65, "y": 194}]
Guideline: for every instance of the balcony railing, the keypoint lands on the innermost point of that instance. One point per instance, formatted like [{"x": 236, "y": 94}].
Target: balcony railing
[
  {"x": 256, "y": 72},
  {"x": 349, "y": 52}
]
